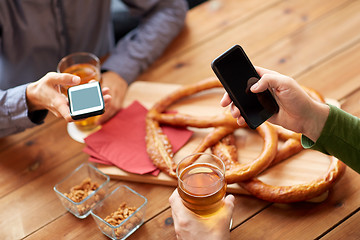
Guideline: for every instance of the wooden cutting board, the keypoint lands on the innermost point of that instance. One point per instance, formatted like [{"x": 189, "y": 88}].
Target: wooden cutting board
[{"x": 301, "y": 168}]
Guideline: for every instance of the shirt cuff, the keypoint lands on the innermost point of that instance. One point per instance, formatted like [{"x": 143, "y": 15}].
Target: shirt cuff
[
  {"x": 327, "y": 132},
  {"x": 38, "y": 117},
  {"x": 15, "y": 111},
  {"x": 306, "y": 142}
]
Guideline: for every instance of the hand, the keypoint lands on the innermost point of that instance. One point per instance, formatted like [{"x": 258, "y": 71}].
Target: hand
[
  {"x": 298, "y": 112},
  {"x": 118, "y": 87},
  {"x": 45, "y": 94},
  {"x": 191, "y": 226}
]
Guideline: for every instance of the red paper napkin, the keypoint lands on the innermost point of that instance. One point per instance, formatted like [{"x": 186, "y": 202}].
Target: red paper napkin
[{"x": 121, "y": 141}]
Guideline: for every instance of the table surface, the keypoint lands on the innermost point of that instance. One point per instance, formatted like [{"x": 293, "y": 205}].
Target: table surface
[{"x": 317, "y": 43}]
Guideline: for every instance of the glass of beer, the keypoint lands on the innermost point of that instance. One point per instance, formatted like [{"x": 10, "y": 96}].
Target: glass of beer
[
  {"x": 201, "y": 183},
  {"x": 87, "y": 67}
]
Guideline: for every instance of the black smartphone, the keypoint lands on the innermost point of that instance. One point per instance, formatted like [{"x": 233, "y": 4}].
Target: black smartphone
[
  {"x": 237, "y": 75},
  {"x": 85, "y": 100}
]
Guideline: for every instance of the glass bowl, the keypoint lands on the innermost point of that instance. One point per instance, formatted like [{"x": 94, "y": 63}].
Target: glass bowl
[
  {"x": 121, "y": 213},
  {"x": 82, "y": 189}
]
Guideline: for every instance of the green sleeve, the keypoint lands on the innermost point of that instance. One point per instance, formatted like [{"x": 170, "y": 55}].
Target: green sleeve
[{"x": 340, "y": 137}]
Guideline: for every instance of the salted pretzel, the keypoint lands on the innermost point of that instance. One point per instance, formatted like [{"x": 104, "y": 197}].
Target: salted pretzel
[
  {"x": 222, "y": 143},
  {"x": 236, "y": 172},
  {"x": 298, "y": 192},
  {"x": 226, "y": 150},
  {"x": 159, "y": 147}
]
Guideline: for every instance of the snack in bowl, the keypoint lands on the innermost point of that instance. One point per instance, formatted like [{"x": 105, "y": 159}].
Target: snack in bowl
[
  {"x": 121, "y": 213},
  {"x": 82, "y": 189},
  {"x": 273, "y": 150},
  {"x": 115, "y": 218}
]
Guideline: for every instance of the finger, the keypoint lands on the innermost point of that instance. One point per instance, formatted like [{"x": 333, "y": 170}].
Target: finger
[
  {"x": 174, "y": 196},
  {"x": 229, "y": 205},
  {"x": 60, "y": 106},
  {"x": 225, "y": 101},
  {"x": 107, "y": 100},
  {"x": 261, "y": 71},
  {"x": 105, "y": 90},
  {"x": 106, "y": 96},
  {"x": 65, "y": 113},
  {"x": 229, "y": 202},
  {"x": 65, "y": 79},
  {"x": 267, "y": 81},
  {"x": 109, "y": 112},
  {"x": 175, "y": 203},
  {"x": 235, "y": 112},
  {"x": 57, "y": 113},
  {"x": 241, "y": 121}
]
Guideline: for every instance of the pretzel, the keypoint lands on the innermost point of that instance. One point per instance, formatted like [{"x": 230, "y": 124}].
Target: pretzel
[
  {"x": 159, "y": 147},
  {"x": 291, "y": 146},
  {"x": 222, "y": 143},
  {"x": 184, "y": 120},
  {"x": 299, "y": 192},
  {"x": 236, "y": 172}
]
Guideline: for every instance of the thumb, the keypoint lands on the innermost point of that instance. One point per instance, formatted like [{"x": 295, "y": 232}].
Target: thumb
[
  {"x": 64, "y": 79},
  {"x": 267, "y": 81},
  {"x": 229, "y": 202}
]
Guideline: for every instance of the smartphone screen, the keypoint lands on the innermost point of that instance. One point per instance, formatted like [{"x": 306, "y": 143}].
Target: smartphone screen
[
  {"x": 85, "y": 100},
  {"x": 237, "y": 75}
]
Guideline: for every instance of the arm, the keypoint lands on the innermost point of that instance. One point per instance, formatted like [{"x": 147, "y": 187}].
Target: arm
[
  {"x": 161, "y": 21},
  {"x": 325, "y": 128},
  {"x": 340, "y": 137},
  {"x": 27, "y": 105},
  {"x": 14, "y": 115},
  {"x": 46, "y": 94}
]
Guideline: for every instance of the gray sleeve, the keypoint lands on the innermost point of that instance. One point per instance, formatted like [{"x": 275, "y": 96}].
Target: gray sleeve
[
  {"x": 14, "y": 115},
  {"x": 160, "y": 22}
]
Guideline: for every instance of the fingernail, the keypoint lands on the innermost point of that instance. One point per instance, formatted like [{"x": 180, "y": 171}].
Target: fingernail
[
  {"x": 76, "y": 79},
  {"x": 254, "y": 87},
  {"x": 241, "y": 122},
  {"x": 222, "y": 99}
]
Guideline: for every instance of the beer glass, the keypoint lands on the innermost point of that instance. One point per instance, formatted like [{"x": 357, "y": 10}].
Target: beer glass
[
  {"x": 87, "y": 67},
  {"x": 201, "y": 183}
]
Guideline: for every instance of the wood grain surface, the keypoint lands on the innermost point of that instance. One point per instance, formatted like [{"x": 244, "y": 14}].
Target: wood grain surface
[{"x": 315, "y": 42}]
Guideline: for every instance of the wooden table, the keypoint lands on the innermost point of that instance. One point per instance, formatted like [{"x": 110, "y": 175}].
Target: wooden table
[{"x": 316, "y": 42}]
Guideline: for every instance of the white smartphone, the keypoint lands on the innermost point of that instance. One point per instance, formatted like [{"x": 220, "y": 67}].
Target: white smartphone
[{"x": 86, "y": 100}]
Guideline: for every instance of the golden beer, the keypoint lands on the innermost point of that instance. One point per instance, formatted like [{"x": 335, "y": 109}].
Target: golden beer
[
  {"x": 201, "y": 185},
  {"x": 87, "y": 67}
]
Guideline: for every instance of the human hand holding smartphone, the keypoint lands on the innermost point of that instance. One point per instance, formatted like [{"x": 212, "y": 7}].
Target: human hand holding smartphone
[{"x": 237, "y": 75}]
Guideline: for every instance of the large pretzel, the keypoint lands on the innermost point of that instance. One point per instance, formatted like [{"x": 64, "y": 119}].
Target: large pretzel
[
  {"x": 299, "y": 192},
  {"x": 226, "y": 150},
  {"x": 159, "y": 147},
  {"x": 222, "y": 144}
]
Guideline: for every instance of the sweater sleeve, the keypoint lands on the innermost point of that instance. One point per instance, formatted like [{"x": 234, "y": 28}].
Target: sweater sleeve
[
  {"x": 161, "y": 21},
  {"x": 14, "y": 115},
  {"x": 340, "y": 138}
]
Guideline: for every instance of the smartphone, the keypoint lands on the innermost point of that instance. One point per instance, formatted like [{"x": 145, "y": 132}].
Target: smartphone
[
  {"x": 237, "y": 74},
  {"x": 86, "y": 100}
]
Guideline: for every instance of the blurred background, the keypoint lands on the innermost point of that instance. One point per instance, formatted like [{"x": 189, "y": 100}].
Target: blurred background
[{"x": 124, "y": 22}]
